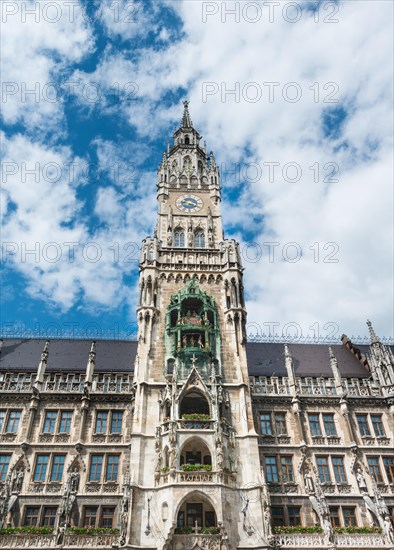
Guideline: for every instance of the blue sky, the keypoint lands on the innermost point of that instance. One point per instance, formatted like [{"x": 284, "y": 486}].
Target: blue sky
[{"x": 296, "y": 103}]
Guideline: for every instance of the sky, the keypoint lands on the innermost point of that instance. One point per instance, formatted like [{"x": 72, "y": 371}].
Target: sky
[{"x": 294, "y": 98}]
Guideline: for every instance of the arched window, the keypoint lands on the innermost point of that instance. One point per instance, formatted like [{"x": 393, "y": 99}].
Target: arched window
[
  {"x": 199, "y": 239},
  {"x": 187, "y": 164},
  {"x": 187, "y": 140},
  {"x": 179, "y": 238}
]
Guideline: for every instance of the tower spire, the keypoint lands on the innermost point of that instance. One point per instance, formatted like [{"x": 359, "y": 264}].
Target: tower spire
[
  {"x": 186, "y": 120},
  {"x": 372, "y": 333}
]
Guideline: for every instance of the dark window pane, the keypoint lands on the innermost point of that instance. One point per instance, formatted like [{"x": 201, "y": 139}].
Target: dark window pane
[
  {"x": 271, "y": 469},
  {"x": 101, "y": 422},
  {"x": 329, "y": 425},
  {"x": 31, "y": 516},
  {"x": 116, "y": 422},
  {"x": 339, "y": 469},
  {"x": 377, "y": 425},
  {"x": 57, "y": 467},
  {"x": 314, "y": 424},
  {"x": 265, "y": 421},
  {"x": 112, "y": 468},
  {"x": 13, "y": 421},
  {"x": 323, "y": 470},
  {"x": 363, "y": 426},
  {"x": 90, "y": 516},
  {"x": 50, "y": 422},
  {"x": 65, "y": 422},
  {"x": 41, "y": 467},
  {"x": 49, "y": 517},
  {"x": 4, "y": 463},
  {"x": 96, "y": 466}
]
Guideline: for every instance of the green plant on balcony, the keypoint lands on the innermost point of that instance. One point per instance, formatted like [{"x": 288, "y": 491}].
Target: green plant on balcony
[
  {"x": 357, "y": 530},
  {"x": 93, "y": 531},
  {"x": 165, "y": 469},
  {"x": 285, "y": 529},
  {"x": 210, "y": 530},
  {"x": 196, "y": 467},
  {"x": 183, "y": 530},
  {"x": 196, "y": 416},
  {"x": 26, "y": 530}
]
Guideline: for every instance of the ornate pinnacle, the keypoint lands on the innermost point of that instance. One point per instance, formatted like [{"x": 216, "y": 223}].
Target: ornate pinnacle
[
  {"x": 92, "y": 353},
  {"x": 186, "y": 120},
  {"x": 44, "y": 354},
  {"x": 372, "y": 334}
]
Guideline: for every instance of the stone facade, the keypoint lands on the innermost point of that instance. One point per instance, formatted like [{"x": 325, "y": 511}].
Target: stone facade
[{"x": 192, "y": 437}]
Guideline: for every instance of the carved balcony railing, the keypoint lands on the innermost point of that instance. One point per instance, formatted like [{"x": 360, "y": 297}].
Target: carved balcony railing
[
  {"x": 299, "y": 541},
  {"x": 364, "y": 387},
  {"x": 282, "y": 439},
  {"x": 323, "y": 440},
  {"x": 370, "y": 441},
  {"x": 112, "y": 383},
  {"x": 70, "y": 541},
  {"x": 196, "y": 424},
  {"x": 193, "y": 540},
  {"x": 41, "y": 487},
  {"x": 283, "y": 488},
  {"x": 270, "y": 385},
  {"x": 198, "y": 476},
  {"x": 70, "y": 383},
  {"x": 99, "y": 488},
  {"x": 16, "y": 381},
  {"x": 314, "y": 386}
]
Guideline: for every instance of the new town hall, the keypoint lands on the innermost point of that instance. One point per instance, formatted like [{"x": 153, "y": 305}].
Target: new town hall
[{"x": 191, "y": 437}]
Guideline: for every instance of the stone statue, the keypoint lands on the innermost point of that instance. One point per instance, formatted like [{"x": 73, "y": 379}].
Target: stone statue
[
  {"x": 388, "y": 529},
  {"x": 245, "y": 506},
  {"x": 172, "y": 460},
  {"x": 267, "y": 518},
  {"x": 17, "y": 481},
  {"x": 328, "y": 530},
  {"x": 308, "y": 480},
  {"x": 219, "y": 457},
  {"x": 74, "y": 481},
  {"x": 361, "y": 481},
  {"x": 61, "y": 531}
]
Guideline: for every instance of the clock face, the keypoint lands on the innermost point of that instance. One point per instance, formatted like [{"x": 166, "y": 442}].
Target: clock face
[{"x": 189, "y": 203}]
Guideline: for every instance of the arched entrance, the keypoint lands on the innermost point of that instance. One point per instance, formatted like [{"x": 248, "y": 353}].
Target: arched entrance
[{"x": 196, "y": 511}]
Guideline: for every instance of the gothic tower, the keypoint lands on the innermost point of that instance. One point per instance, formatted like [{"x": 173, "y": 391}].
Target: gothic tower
[{"x": 195, "y": 469}]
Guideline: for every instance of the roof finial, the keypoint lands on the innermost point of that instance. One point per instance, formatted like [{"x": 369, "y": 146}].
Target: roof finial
[
  {"x": 372, "y": 334},
  {"x": 186, "y": 120}
]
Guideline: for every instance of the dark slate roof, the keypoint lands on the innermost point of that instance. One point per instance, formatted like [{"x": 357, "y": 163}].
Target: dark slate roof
[
  {"x": 264, "y": 359},
  {"x": 67, "y": 355},
  {"x": 267, "y": 359}
]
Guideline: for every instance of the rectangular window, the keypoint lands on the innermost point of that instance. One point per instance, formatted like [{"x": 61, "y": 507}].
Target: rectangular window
[
  {"x": 377, "y": 425},
  {"x": 65, "y": 422},
  {"x": 2, "y": 418},
  {"x": 31, "y": 516},
  {"x": 41, "y": 467},
  {"x": 329, "y": 425},
  {"x": 314, "y": 424},
  {"x": 278, "y": 517},
  {"x": 271, "y": 469},
  {"x": 294, "y": 515},
  {"x": 4, "y": 463},
  {"x": 13, "y": 421},
  {"x": 107, "y": 516},
  {"x": 349, "y": 517},
  {"x": 57, "y": 467},
  {"x": 388, "y": 462},
  {"x": 323, "y": 470},
  {"x": 334, "y": 515},
  {"x": 374, "y": 468},
  {"x": 49, "y": 516},
  {"x": 101, "y": 422},
  {"x": 116, "y": 422},
  {"x": 266, "y": 426},
  {"x": 339, "y": 469},
  {"x": 90, "y": 516},
  {"x": 362, "y": 421},
  {"x": 50, "y": 422},
  {"x": 280, "y": 424},
  {"x": 111, "y": 473},
  {"x": 286, "y": 463},
  {"x": 96, "y": 466}
]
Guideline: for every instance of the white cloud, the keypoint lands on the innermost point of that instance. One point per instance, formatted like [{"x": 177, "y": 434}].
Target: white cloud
[
  {"x": 355, "y": 213},
  {"x": 36, "y": 50}
]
